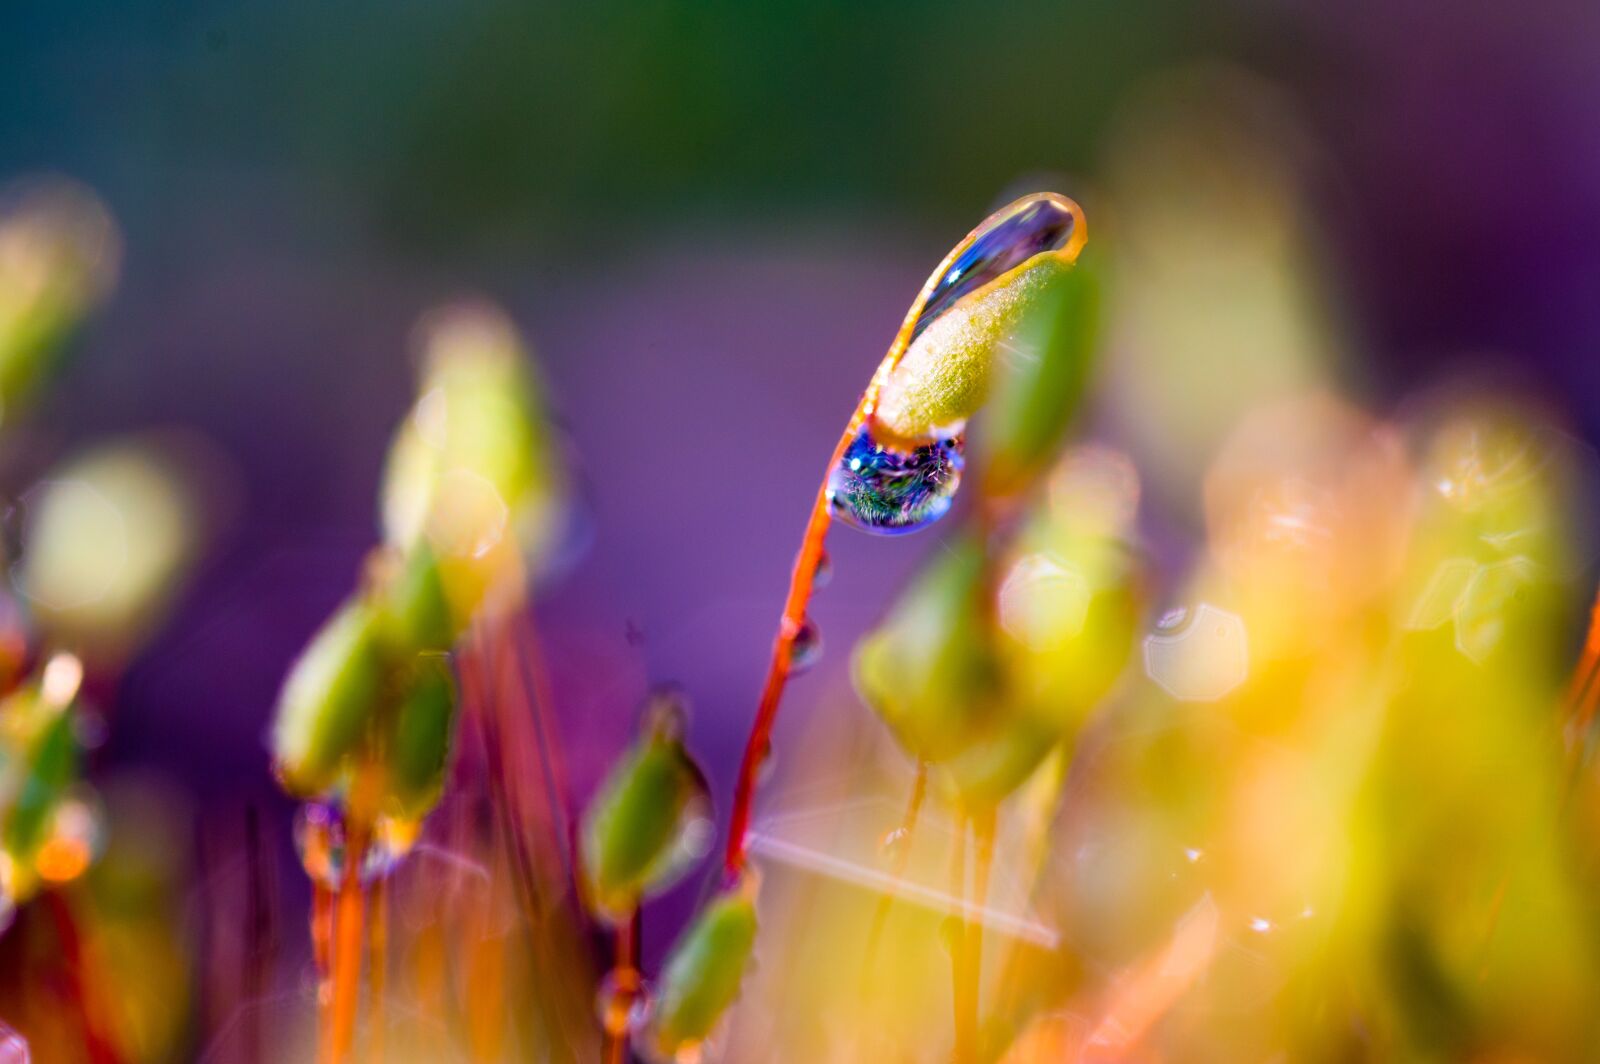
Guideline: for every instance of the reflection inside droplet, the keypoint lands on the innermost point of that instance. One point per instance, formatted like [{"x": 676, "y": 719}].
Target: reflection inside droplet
[{"x": 887, "y": 491}]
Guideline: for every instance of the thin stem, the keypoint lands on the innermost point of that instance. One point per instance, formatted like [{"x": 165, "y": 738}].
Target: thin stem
[
  {"x": 983, "y": 827},
  {"x": 963, "y": 1018},
  {"x": 379, "y": 967},
  {"x": 758, "y": 745},
  {"x": 98, "y": 1049},
  {"x": 347, "y": 951},
  {"x": 625, "y": 977},
  {"x": 880, "y": 915}
]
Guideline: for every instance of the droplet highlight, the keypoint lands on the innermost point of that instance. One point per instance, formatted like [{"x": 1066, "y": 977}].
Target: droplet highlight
[
  {"x": 806, "y": 648},
  {"x": 1033, "y": 227},
  {"x": 890, "y": 492},
  {"x": 321, "y": 840}
]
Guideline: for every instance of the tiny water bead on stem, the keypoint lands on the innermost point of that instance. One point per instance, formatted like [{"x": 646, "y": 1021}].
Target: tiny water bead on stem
[{"x": 898, "y": 462}]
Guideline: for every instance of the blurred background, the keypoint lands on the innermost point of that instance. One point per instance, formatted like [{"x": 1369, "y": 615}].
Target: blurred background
[{"x": 708, "y": 220}]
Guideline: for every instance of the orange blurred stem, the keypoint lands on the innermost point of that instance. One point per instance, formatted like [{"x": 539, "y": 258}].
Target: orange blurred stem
[
  {"x": 625, "y": 974},
  {"x": 379, "y": 964},
  {"x": 348, "y": 928},
  {"x": 983, "y": 827},
  {"x": 322, "y": 944},
  {"x": 98, "y": 1049},
  {"x": 963, "y": 1017},
  {"x": 880, "y": 915}
]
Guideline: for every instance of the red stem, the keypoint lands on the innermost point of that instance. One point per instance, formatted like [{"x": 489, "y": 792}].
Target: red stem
[{"x": 99, "y": 1049}]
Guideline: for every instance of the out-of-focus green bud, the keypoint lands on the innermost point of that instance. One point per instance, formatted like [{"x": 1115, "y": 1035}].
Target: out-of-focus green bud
[
  {"x": 415, "y": 613},
  {"x": 1070, "y": 593},
  {"x": 1037, "y": 390},
  {"x": 328, "y": 700},
  {"x": 928, "y": 670},
  {"x": 59, "y": 253},
  {"x": 49, "y": 766},
  {"x": 472, "y": 470},
  {"x": 946, "y": 373},
  {"x": 108, "y": 537},
  {"x": 997, "y": 763},
  {"x": 701, "y": 978},
  {"x": 419, "y": 746},
  {"x": 650, "y": 821}
]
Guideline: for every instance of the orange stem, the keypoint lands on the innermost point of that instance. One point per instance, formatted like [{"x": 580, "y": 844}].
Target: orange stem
[
  {"x": 880, "y": 915},
  {"x": 347, "y": 952},
  {"x": 379, "y": 964},
  {"x": 625, "y": 974},
  {"x": 758, "y": 745}
]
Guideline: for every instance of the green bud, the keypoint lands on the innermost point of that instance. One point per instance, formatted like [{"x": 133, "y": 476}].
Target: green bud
[
  {"x": 328, "y": 700},
  {"x": 416, "y": 614},
  {"x": 928, "y": 670},
  {"x": 701, "y": 978},
  {"x": 472, "y": 470},
  {"x": 423, "y": 728},
  {"x": 989, "y": 769},
  {"x": 647, "y": 825},
  {"x": 50, "y": 765},
  {"x": 1038, "y": 392},
  {"x": 59, "y": 252},
  {"x": 1068, "y": 607},
  {"x": 946, "y": 373}
]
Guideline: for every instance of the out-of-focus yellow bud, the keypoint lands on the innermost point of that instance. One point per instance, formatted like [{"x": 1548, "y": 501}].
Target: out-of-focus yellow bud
[
  {"x": 107, "y": 539},
  {"x": 329, "y": 700},
  {"x": 650, "y": 821},
  {"x": 472, "y": 471},
  {"x": 59, "y": 255},
  {"x": 701, "y": 978},
  {"x": 928, "y": 670}
]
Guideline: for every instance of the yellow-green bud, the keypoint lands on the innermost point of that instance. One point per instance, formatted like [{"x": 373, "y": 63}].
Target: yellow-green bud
[
  {"x": 701, "y": 978},
  {"x": 648, "y": 824},
  {"x": 328, "y": 700}
]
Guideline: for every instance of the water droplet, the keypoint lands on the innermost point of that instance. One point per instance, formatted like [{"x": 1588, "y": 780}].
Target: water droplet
[
  {"x": 619, "y": 1000},
  {"x": 890, "y": 492},
  {"x": 822, "y": 575},
  {"x": 320, "y": 840},
  {"x": 893, "y": 845},
  {"x": 806, "y": 648},
  {"x": 1031, "y": 226},
  {"x": 13, "y": 1047},
  {"x": 1200, "y": 661}
]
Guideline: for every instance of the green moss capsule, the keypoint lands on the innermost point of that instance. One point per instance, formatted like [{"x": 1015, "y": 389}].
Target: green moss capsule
[
  {"x": 928, "y": 670},
  {"x": 328, "y": 700},
  {"x": 649, "y": 823},
  {"x": 422, "y": 730},
  {"x": 702, "y": 976}
]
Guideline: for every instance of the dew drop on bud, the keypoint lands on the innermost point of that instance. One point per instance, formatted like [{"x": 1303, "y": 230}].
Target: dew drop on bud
[
  {"x": 806, "y": 649},
  {"x": 320, "y": 840},
  {"x": 893, "y": 845},
  {"x": 617, "y": 1002},
  {"x": 890, "y": 492}
]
